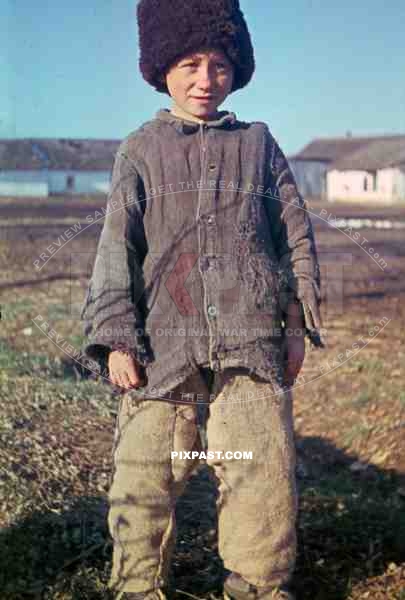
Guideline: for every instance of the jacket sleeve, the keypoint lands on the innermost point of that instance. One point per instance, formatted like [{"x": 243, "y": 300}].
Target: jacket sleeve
[
  {"x": 292, "y": 233},
  {"x": 113, "y": 312}
]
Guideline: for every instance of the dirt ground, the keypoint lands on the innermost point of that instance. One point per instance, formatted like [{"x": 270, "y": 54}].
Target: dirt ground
[{"x": 56, "y": 426}]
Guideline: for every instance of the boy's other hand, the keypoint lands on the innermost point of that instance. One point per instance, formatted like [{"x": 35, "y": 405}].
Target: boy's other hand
[
  {"x": 294, "y": 343},
  {"x": 294, "y": 357},
  {"x": 125, "y": 371}
]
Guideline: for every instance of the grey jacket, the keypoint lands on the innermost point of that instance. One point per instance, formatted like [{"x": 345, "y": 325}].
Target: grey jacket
[{"x": 205, "y": 241}]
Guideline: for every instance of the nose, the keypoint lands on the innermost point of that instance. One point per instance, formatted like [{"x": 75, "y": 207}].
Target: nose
[{"x": 205, "y": 79}]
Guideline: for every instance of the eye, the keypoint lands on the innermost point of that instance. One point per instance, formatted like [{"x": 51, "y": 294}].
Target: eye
[{"x": 222, "y": 66}]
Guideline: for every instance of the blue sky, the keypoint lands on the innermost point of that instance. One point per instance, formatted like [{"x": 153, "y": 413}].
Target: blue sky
[{"x": 70, "y": 69}]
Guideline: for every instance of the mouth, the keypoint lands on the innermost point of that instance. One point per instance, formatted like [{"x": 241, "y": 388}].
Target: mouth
[{"x": 203, "y": 98}]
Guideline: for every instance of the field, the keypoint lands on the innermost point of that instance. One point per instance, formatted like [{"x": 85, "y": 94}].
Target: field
[{"x": 56, "y": 424}]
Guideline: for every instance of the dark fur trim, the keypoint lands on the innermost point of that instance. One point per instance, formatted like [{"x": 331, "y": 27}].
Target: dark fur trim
[{"x": 170, "y": 29}]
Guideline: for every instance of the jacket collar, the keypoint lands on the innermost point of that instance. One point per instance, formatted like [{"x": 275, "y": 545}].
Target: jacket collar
[{"x": 225, "y": 119}]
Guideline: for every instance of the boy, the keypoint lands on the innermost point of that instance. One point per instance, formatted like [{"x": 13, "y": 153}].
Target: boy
[{"x": 199, "y": 198}]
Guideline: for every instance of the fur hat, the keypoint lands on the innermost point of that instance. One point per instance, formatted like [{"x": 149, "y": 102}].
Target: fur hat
[{"x": 170, "y": 29}]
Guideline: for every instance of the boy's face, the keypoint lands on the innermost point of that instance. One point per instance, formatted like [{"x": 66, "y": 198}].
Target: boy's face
[{"x": 198, "y": 83}]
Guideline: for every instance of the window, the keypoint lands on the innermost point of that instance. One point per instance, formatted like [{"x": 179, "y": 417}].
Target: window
[
  {"x": 70, "y": 183},
  {"x": 374, "y": 181}
]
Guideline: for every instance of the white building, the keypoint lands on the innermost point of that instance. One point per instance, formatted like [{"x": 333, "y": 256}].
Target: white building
[
  {"x": 352, "y": 168},
  {"x": 311, "y": 164},
  {"x": 41, "y": 167},
  {"x": 374, "y": 173}
]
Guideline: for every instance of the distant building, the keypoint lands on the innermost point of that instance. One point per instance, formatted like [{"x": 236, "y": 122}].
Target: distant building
[
  {"x": 375, "y": 172},
  {"x": 41, "y": 167},
  {"x": 352, "y": 168},
  {"x": 310, "y": 165}
]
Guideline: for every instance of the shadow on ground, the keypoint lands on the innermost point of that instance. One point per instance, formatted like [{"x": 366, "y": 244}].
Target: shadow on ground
[{"x": 351, "y": 527}]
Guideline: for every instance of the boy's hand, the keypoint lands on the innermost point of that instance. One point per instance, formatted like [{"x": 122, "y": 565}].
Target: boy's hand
[
  {"x": 294, "y": 349},
  {"x": 124, "y": 370},
  {"x": 294, "y": 357}
]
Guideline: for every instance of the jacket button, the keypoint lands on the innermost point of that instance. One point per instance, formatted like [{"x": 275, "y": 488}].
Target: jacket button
[
  {"x": 212, "y": 311},
  {"x": 204, "y": 263}
]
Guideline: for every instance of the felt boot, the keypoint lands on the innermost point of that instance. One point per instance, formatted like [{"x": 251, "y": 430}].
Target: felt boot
[{"x": 236, "y": 588}]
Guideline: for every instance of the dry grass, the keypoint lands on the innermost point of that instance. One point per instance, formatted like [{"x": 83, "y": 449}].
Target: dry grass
[{"x": 56, "y": 432}]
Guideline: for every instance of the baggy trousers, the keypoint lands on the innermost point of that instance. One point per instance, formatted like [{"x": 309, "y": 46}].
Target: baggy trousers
[{"x": 257, "y": 498}]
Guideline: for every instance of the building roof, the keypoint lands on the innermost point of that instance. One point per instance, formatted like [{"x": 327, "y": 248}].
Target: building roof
[
  {"x": 330, "y": 150},
  {"x": 380, "y": 154},
  {"x": 57, "y": 154}
]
